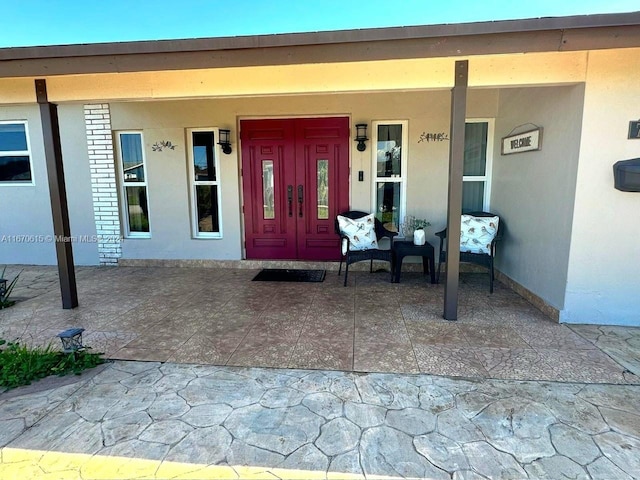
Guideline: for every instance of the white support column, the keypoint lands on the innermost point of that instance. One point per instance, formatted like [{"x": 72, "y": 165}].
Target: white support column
[{"x": 103, "y": 182}]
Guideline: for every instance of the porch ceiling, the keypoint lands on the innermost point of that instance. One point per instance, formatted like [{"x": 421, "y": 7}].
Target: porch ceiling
[{"x": 362, "y": 76}]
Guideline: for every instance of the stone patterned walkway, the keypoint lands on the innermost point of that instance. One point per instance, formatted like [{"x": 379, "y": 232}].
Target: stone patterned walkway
[{"x": 154, "y": 420}]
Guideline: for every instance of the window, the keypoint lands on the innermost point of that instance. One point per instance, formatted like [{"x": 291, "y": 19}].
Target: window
[
  {"x": 133, "y": 179},
  {"x": 204, "y": 179},
  {"x": 15, "y": 159},
  {"x": 390, "y": 166},
  {"x": 477, "y": 165}
]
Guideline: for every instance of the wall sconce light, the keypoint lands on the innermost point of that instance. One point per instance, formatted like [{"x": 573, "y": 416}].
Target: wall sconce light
[
  {"x": 224, "y": 142},
  {"x": 361, "y": 136}
]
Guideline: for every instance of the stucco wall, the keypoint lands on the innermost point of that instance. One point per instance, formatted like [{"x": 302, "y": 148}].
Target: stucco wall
[
  {"x": 533, "y": 191},
  {"x": 26, "y": 209},
  {"x": 78, "y": 180},
  {"x": 604, "y": 281},
  {"x": 427, "y": 112},
  {"x": 486, "y": 71}
]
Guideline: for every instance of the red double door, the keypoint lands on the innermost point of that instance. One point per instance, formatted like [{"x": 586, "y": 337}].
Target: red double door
[{"x": 295, "y": 180}]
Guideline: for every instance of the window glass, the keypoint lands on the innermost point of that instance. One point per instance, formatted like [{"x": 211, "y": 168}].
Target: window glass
[
  {"x": 475, "y": 148},
  {"x": 15, "y": 161},
  {"x": 134, "y": 184},
  {"x": 132, "y": 162},
  {"x": 477, "y": 166},
  {"x": 389, "y": 154},
  {"x": 207, "y": 208},
  {"x": 390, "y": 176},
  {"x": 472, "y": 197},
  {"x": 13, "y": 137},
  {"x": 137, "y": 209},
  {"x": 205, "y": 184},
  {"x": 15, "y": 169},
  {"x": 388, "y": 202},
  {"x": 203, "y": 156}
]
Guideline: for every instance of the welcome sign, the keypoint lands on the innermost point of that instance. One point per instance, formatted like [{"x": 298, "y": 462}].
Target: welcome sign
[{"x": 522, "y": 142}]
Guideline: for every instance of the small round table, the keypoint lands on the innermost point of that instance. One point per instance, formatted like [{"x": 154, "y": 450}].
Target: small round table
[{"x": 403, "y": 248}]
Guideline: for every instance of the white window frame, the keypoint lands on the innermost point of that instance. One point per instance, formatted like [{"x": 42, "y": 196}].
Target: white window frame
[
  {"x": 124, "y": 203},
  {"x": 404, "y": 155},
  {"x": 195, "y": 233},
  {"x": 26, "y": 152},
  {"x": 486, "y": 178}
]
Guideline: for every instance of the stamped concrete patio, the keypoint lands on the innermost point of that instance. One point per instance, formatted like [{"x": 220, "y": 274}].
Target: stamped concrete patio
[
  {"x": 178, "y": 419},
  {"x": 220, "y": 317}
]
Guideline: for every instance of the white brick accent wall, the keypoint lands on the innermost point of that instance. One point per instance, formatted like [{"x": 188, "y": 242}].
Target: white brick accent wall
[{"x": 97, "y": 119}]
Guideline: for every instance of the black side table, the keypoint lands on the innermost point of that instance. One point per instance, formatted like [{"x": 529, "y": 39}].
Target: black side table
[{"x": 403, "y": 249}]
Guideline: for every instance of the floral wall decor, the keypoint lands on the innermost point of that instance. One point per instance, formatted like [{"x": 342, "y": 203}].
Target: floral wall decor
[{"x": 159, "y": 146}]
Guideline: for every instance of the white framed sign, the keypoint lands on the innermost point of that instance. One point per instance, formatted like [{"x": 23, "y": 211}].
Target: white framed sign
[{"x": 522, "y": 142}]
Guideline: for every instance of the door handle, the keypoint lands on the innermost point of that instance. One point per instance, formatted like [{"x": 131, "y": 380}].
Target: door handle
[
  {"x": 300, "y": 199},
  {"x": 290, "y": 199}
]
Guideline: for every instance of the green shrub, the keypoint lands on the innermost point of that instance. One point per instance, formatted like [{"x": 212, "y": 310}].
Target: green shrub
[
  {"x": 4, "y": 296},
  {"x": 20, "y": 365}
]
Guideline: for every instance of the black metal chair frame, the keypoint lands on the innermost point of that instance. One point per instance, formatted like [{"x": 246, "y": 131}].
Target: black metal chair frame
[
  {"x": 482, "y": 259},
  {"x": 353, "y": 256}
]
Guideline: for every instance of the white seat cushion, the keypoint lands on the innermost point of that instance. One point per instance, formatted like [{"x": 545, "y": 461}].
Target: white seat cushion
[
  {"x": 361, "y": 232},
  {"x": 477, "y": 233}
]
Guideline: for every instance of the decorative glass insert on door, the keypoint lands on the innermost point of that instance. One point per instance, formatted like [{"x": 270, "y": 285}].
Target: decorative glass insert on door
[
  {"x": 267, "y": 190},
  {"x": 323, "y": 189}
]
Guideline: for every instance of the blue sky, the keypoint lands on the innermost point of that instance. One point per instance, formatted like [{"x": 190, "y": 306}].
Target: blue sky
[{"x": 54, "y": 22}]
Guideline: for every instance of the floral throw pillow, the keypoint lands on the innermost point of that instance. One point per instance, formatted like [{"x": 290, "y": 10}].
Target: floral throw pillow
[
  {"x": 477, "y": 233},
  {"x": 361, "y": 232}
]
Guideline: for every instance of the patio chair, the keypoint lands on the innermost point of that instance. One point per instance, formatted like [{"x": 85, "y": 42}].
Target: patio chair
[
  {"x": 472, "y": 248},
  {"x": 358, "y": 249}
]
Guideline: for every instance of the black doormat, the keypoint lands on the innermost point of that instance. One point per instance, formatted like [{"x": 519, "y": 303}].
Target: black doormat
[{"x": 286, "y": 275}]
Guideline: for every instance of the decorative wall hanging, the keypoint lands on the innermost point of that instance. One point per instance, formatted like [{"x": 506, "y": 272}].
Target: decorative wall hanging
[
  {"x": 433, "y": 137},
  {"x": 159, "y": 146},
  {"x": 634, "y": 129},
  {"x": 522, "y": 142}
]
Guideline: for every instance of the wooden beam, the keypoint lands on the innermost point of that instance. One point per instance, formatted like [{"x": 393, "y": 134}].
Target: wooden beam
[
  {"x": 454, "y": 209},
  {"x": 58, "y": 194}
]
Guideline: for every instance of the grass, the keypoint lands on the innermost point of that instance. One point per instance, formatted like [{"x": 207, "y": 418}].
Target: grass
[{"x": 20, "y": 365}]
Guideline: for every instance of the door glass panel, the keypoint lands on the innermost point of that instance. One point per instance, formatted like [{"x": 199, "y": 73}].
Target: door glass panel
[
  {"x": 472, "y": 196},
  {"x": 323, "y": 189},
  {"x": 389, "y": 149},
  {"x": 267, "y": 190},
  {"x": 388, "y": 203},
  {"x": 204, "y": 169},
  {"x": 138, "y": 209},
  {"x": 207, "y": 204},
  {"x": 475, "y": 149}
]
